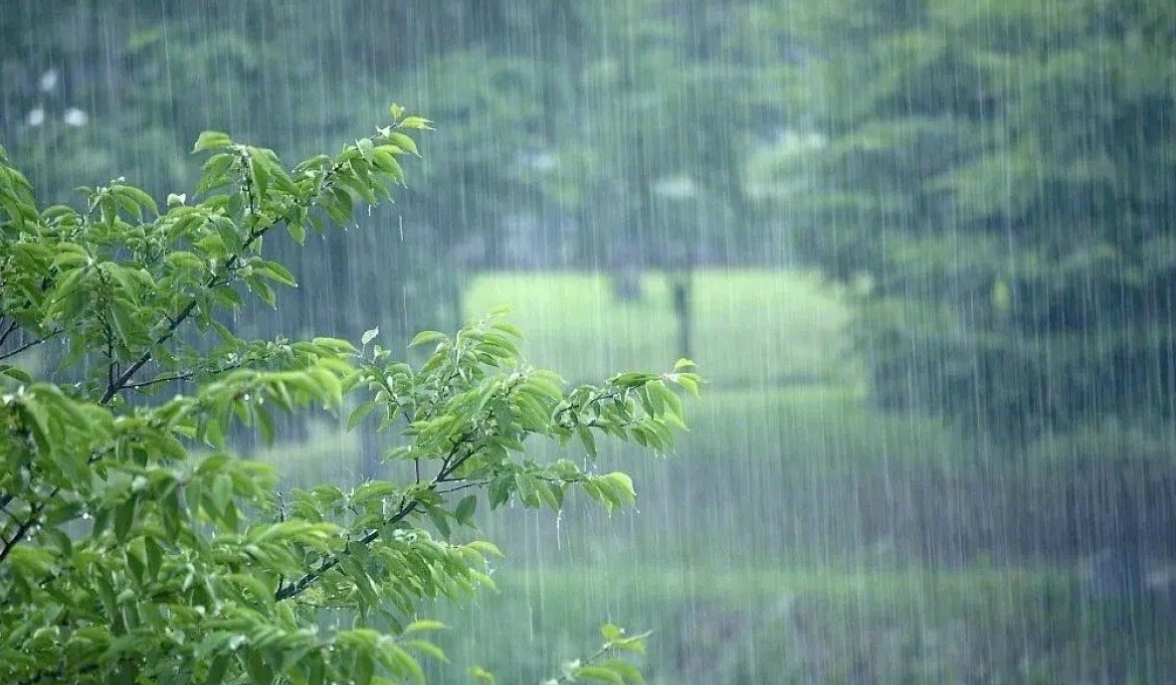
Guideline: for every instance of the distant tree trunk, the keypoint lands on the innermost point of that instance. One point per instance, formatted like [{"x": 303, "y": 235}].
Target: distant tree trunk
[{"x": 682, "y": 286}]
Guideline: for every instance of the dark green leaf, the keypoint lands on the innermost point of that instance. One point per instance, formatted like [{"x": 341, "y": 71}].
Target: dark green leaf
[{"x": 465, "y": 509}]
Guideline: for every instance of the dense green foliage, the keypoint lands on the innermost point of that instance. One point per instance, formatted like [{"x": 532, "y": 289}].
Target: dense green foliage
[
  {"x": 1001, "y": 176},
  {"x": 134, "y": 547}
]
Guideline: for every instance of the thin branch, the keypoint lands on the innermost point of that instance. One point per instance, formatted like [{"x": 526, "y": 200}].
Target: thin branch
[
  {"x": 111, "y": 364},
  {"x": 213, "y": 281},
  {"x": 403, "y": 511},
  {"x": 464, "y": 486},
  {"x": 297, "y": 588},
  {"x": 21, "y": 531},
  {"x": 186, "y": 376},
  {"x": 125, "y": 377},
  {"x": 7, "y": 331},
  {"x": 34, "y": 343}
]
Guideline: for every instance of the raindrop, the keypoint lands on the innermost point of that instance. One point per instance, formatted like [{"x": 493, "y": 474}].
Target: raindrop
[{"x": 36, "y": 116}]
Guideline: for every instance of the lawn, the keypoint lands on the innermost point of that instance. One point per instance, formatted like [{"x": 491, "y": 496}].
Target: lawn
[
  {"x": 783, "y": 384},
  {"x": 752, "y": 327}
]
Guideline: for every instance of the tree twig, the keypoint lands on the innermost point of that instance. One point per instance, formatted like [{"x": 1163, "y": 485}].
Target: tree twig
[
  {"x": 7, "y": 331},
  {"x": 34, "y": 343},
  {"x": 406, "y": 508}
]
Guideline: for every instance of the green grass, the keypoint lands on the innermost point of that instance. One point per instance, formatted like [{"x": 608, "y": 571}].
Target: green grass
[
  {"x": 751, "y": 327},
  {"x": 783, "y": 389}
]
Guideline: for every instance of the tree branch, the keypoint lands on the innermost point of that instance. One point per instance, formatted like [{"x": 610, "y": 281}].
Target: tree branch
[
  {"x": 21, "y": 531},
  {"x": 298, "y": 587},
  {"x": 7, "y": 331},
  {"x": 464, "y": 486},
  {"x": 406, "y": 508},
  {"x": 125, "y": 378},
  {"x": 189, "y": 375},
  {"x": 34, "y": 343}
]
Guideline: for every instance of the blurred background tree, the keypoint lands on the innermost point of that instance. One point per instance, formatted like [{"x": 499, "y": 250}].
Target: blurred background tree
[{"x": 1003, "y": 176}]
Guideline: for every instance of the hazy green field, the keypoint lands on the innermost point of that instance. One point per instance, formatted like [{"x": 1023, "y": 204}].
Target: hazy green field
[
  {"x": 751, "y": 327},
  {"x": 783, "y": 383}
]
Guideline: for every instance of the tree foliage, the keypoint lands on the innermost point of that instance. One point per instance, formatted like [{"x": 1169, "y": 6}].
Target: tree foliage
[
  {"x": 135, "y": 548},
  {"x": 1001, "y": 176}
]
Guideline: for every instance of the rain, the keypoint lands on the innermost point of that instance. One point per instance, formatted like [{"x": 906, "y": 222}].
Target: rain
[{"x": 923, "y": 253}]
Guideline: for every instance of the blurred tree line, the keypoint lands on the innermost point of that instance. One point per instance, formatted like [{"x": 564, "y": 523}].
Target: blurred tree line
[
  {"x": 621, "y": 111},
  {"x": 996, "y": 181},
  {"x": 1000, "y": 181}
]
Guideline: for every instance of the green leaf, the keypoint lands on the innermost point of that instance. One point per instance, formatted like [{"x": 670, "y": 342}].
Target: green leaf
[
  {"x": 485, "y": 548},
  {"x": 424, "y": 625},
  {"x": 426, "y": 647},
  {"x": 276, "y": 272},
  {"x": 360, "y": 413},
  {"x": 297, "y": 231},
  {"x": 222, "y": 492},
  {"x": 689, "y": 382},
  {"x": 586, "y": 437},
  {"x": 416, "y": 123},
  {"x": 426, "y": 337},
  {"x": 13, "y": 372},
  {"x": 124, "y": 518},
  {"x": 611, "y": 632},
  {"x": 404, "y": 142},
  {"x": 365, "y": 146},
  {"x": 363, "y": 668},
  {"x": 550, "y": 494},
  {"x": 259, "y": 173},
  {"x": 154, "y": 556},
  {"x": 600, "y": 673},
  {"x": 465, "y": 509},
  {"x": 625, "y": 670},
  {"x": 438, "y": 516},
  {"x": 211, "y": 140}
]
